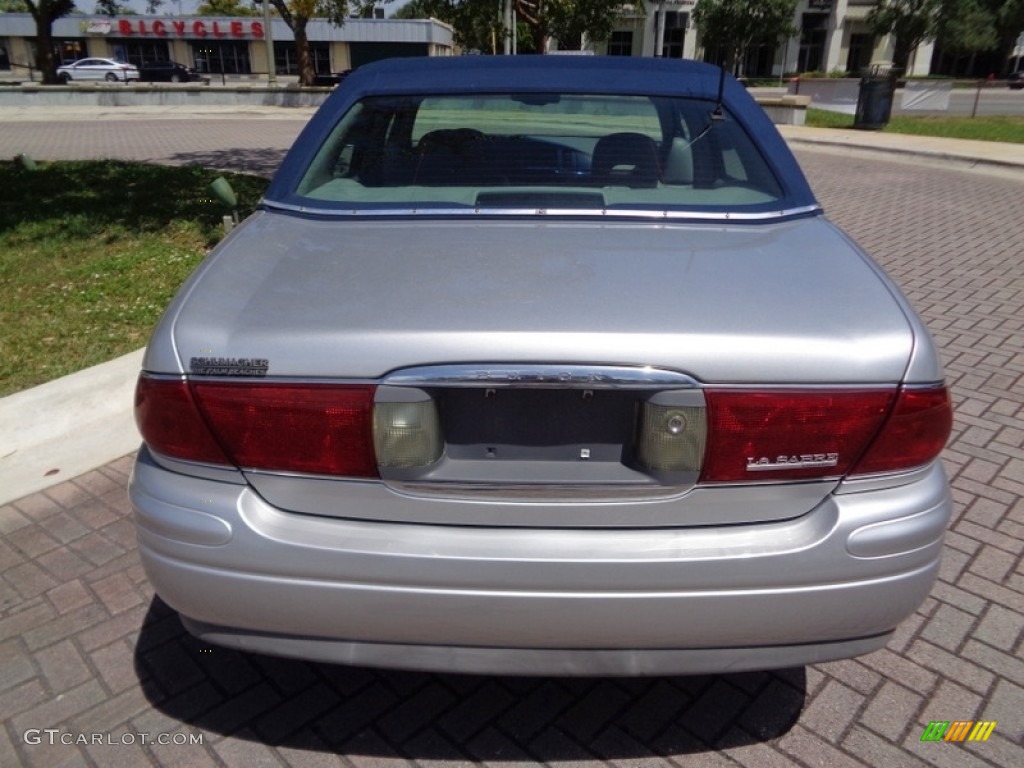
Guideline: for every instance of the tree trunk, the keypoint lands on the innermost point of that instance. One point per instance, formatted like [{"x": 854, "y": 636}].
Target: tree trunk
[
  {"x": 305, "y": 61},
  {"x": 46, "y": 62},
  {"x": 540, "y": 38}
]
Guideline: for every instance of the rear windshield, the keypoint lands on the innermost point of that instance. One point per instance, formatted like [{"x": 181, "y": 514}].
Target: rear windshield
[{"x": 579, "y": 152}]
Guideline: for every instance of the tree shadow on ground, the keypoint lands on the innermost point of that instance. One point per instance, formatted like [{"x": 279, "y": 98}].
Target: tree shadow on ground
[
  {"x": 257, "y": 161},
  {"x": 87, "y": 197},
  {"x": 378, "y": 713}
]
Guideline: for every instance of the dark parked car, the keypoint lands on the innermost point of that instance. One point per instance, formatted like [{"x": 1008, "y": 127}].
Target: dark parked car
[
  {"x": 168, "y": 72},
  {"x": 329, "y": 81},
  {"x": 1016, "y": 80},
  {"x": 542, "y": 365}
]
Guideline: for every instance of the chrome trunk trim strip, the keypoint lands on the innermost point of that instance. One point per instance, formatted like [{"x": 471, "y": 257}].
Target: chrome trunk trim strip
[
  {"x": 587, "y": 213},
  {"x": 541, "y": 376}
]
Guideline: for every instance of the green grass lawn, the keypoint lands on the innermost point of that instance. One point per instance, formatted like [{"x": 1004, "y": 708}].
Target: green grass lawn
[
  {"x": 90, "y": 254},
  {"x": 1008, "y": 129}
]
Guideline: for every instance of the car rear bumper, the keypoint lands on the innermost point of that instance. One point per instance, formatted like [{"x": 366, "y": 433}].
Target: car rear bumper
[
  {"x": 832, "y": 583},
  {"x": 563, "y": 662}
]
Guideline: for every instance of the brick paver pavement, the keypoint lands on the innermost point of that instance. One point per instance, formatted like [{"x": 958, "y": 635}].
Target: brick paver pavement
[
  {"x": 88, "y": 653},
  {"x": 237, "y": 140}
]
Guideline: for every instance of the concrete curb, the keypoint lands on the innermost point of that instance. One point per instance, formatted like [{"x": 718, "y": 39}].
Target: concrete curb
[
  {"x": 974, "y": 154},
  {"x": 36, "y": 114},
  {"x": 150, "y": 95},
  {"x": 66, "y": 427}
]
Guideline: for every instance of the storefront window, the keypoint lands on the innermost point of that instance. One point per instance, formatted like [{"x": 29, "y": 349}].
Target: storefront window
[
  {"x": 139, "y": 52},
  {"x": 229, "y": 58},
  {"x": 286, "y": 62},
  {"x": 862, "y": 46},
  {"x": 621, "y": 43},
  {"x": 5, "y": 57},
  {"x": 813, "y": 31},
  {"x": 675, "y": 34},
  {"x": 759, "y": 59},
  {"x": 70, "y": 50}
]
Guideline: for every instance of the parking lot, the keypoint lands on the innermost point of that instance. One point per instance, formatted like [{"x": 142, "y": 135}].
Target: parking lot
[{"x": 94, "y": 670}]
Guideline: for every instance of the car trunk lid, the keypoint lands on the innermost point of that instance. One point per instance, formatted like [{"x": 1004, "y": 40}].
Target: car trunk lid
[
  {"x": 539, "y": 320},
  {"x": 788, "y": 303}
]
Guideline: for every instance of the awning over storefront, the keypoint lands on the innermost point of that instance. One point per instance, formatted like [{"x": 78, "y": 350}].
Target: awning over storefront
[{"x": 427, "y": 31}]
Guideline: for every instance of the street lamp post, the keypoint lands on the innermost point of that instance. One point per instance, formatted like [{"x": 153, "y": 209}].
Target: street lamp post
[
  {"x": 268, "y": 38},
  {"x": 506, "y": 23}
]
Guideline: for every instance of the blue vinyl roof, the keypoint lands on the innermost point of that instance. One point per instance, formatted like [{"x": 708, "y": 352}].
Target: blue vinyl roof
[
  {"x": 548, "y": 73},
  {"x": 580, "y": 74}
]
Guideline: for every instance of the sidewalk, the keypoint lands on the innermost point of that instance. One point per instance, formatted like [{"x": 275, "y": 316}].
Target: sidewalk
[
  {"x": 38, "y": 114},
  {"x": 992, "y": 154},
  {"x": 88, "y": 419}
]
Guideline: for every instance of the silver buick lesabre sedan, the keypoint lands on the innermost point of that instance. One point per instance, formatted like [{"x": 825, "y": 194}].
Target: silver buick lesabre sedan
[{"x": 544, "y": 365}]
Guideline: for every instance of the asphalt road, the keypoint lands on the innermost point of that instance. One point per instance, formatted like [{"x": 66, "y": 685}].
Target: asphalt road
[
  {"x": 991, "y": 100},
  {"x": 88, "y": 652}
]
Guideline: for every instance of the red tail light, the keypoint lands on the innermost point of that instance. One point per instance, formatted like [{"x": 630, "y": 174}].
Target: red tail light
[
  {"x": 789, "y": 435},
  {"x": 310, "y": 428},
  {"x": 914, "y": 434},
  {"x": 170, "y": 423},
  {"x": 814, "y": 434}
]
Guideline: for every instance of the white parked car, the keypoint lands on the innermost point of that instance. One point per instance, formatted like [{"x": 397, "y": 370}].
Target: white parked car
[{"x": 98, "y": 69}]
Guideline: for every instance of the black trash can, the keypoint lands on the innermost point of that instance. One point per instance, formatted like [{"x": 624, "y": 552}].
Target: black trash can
[{"x": 874, "y": 102}]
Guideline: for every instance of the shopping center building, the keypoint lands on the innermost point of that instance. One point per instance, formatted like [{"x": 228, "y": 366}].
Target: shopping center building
[
  {"x": 832, "y": 35},
  {"x": 213, "y": 45}
]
